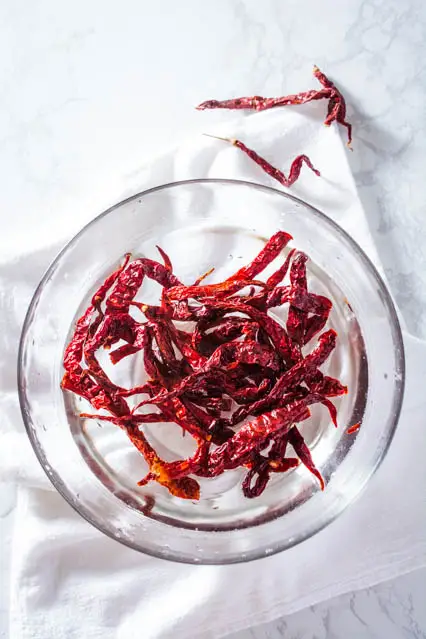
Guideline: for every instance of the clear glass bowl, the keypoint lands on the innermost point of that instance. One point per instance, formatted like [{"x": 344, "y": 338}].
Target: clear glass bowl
[{"x": 204, "y": 223}]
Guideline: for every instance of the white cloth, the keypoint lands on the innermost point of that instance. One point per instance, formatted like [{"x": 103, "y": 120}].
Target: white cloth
[{"x": 68, "y": 580}]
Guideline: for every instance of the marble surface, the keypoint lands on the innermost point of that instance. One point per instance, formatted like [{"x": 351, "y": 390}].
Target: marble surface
[{"x": 92, "y": 90}]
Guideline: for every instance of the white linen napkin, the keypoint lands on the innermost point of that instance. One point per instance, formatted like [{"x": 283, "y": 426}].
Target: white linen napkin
[{"x": 68, "y": 580}]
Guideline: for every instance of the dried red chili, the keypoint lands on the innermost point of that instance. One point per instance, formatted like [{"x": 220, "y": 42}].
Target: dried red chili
[
  {"x": 258, "y": 103},
  {"x": 180, "y": 293},
  {"x": 336, "y": 110},
  {"x": 295, "y": 168},
  {"x": 270, "y": 251},
  {"x": 235, "y": 363},
  {"x": 302, "y": 451},
  {"x": 296, "y": 321},
  {"x": 237, "y": 450}
]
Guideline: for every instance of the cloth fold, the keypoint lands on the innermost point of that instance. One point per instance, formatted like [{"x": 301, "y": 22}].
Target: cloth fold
[{"x": 69, "y": 580}]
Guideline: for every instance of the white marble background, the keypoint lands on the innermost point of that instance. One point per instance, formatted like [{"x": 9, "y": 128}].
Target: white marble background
[{"x": 91, "y": 89}]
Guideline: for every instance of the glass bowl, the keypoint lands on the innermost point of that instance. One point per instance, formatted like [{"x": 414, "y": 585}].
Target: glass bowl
[{"x": 205, "y": 223}]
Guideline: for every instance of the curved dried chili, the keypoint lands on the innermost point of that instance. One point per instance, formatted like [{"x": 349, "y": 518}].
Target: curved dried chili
[
  {"x": 336, "y": 110},
  {"x": 295, "y": 168}
]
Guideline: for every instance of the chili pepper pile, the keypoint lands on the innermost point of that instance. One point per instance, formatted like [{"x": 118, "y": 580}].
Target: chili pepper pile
[{"x": 238, "y": 381}]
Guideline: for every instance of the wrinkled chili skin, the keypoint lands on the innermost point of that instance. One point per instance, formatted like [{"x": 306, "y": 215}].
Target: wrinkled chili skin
[{"x": 125, "y": 289}]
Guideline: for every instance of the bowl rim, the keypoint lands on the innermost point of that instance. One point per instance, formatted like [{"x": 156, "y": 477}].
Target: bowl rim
[{"x": 396, "y": 331}]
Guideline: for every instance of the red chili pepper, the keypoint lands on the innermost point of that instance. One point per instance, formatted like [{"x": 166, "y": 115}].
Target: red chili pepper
[
  {"x": 296, "y": 320},
  {"x": 277, "y": 277},
  {"x": 279, "y": 447},
  {"x": 258, "y": 103},
  {"x": 237, "y": 450},
  {"x": 166, "y": 259},
  {"x": 110, "y": 330},
  {"x": 74, "y": 350},
  {"x": 336, "y": 110},
  {"x": 137, "y": 344},
  {"x": 164, "y": 342},
  {"x": 313, "y": 326},
  {"x": 270, "y": 251},
  {"x": 100, "y": 294},
  {"x": 131, "y": 278},
  {"x": 183, "y": 341},
  {"x": 327, "y": 386},
  {"x": 184, "y": 292},
  {"x": 184, "y": 487},
  {"x": 275, "y": 173},
  {"x": 147, "y": 418},
  {"x": 263, "y": 468},
  {"x": 304, "y": 454},
  {"x": 128, "y": 284},
  {"x": 159, "y": 273},
  {"x": 224, "y": 330}
]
